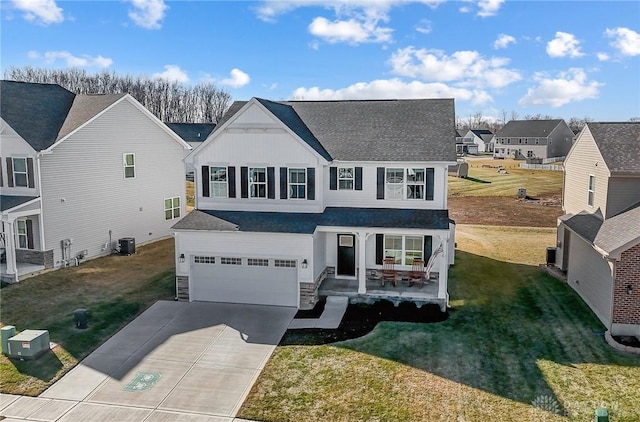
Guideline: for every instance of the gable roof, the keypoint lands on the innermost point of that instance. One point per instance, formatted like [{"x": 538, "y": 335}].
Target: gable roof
[
  {"x": 529, "y": 128},
  {"x": 480, "y": 132},
  {"x": 192, "y": 132},
  {"x": 370, "y": 130},
  {"x": 21, "y": 101},
  {"x": 619, "y": 144}
]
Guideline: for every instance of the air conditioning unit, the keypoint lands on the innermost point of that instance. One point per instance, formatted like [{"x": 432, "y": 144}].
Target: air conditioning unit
[
  {"x": 127, "y": 245},
  {"x": 28, "y": 345}
]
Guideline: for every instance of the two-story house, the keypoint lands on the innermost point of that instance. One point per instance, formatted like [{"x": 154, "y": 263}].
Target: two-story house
[
  {"x": 527, "y": 139},
  {"x": 599, "y": 235},
  {"x": 80, "y": 172},
  {"x": 293, "y": 196},
  {"x": 481, "y": 138}
]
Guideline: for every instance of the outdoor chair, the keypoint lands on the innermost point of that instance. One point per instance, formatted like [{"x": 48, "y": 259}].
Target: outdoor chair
[
  {"x": 388, "y": 271},
  {"x": 417, "y": 274}
]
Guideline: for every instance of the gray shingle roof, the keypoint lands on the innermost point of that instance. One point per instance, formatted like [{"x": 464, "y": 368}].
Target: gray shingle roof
[
  {"x": 528, "y": 128},
  {"x": 290, "y": 222},
  {"x": 45, "y": 113},
  {"x": 610, "y": 234},
  {"x": 7, "y": 202},
  {"x": 619, "y": 144},
  {"x": 36, "y": 111},
  {"x": 373, "y": 130},
  {"x": 192, "y": 132}
]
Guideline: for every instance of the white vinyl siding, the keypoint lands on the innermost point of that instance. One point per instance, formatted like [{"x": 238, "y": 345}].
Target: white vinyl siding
[{"x": 129, "y": 163}]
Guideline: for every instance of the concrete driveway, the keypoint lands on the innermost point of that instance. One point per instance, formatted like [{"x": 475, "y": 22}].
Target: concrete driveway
[{"x": 177, "y": 361}]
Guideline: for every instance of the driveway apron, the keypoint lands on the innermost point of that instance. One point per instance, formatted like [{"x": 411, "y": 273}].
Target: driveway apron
[{"x": 177, "y": 361}]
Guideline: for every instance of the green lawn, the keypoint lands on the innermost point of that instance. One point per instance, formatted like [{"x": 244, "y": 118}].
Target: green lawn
[
  {"x": 514, "y": 335},
  {"x": 537, "y": 182},
  {"x": 113, "y": 289}
]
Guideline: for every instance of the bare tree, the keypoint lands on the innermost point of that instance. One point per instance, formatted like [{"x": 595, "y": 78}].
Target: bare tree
[{"x": 170, "y": 101}]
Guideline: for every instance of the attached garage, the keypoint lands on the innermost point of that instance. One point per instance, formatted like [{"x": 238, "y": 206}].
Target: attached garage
[{"x": 264, "y": 281}]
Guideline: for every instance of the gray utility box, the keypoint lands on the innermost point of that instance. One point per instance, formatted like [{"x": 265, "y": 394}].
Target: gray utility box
[
  {"x": 7, "y": 332},
  {"x": 29, "y": 344}
]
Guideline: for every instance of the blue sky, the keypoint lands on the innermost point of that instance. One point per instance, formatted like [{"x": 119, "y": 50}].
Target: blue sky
[{"x": 565, "y": 59}]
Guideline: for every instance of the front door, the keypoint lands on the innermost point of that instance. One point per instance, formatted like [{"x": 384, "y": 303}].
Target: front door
[{"x": 346, "y": 255}]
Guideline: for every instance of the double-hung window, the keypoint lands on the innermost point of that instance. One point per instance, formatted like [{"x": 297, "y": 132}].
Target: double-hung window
[
  {"x": 345, "y": 178},
  {"x": 172, "y": 208},
  {"x": 257, "y": 182},
  {"x": 129, "y": 162},
  {"x": 219, "y": 182},
  {"x": 592, "y": 189},
  {"x": 20, "y": 174},
  {"x": 415, "y": 183},
  {"x": 297, "y": 183},
  {"x": 394, "y": 183},
  {"x": 23, "y": 240},
  {"x": 403, "y": 249}
]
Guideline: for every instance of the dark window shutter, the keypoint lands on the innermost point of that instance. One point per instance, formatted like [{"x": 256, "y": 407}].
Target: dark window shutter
[
  {"x": 333, "y": 178},
  {"x": 428, "y": 246},
  {"x": 379, "y": 248},
  {"x": 380, "y": 185},
  {"x": 271, "y": 182},
  {"x": 311, "y": 183},
  {"x": 29, "y": 234},
  {"x": 30, "y": 176},
  {"x": 206, "y": 181},
  {"x": 429, "y": 184},
  {"x": 358, "y": 178},
  {"x": 231, "y": 180},
  {"x": 283, "y": 183},
  {"x": 244, "y": 182},
  {"x": 9, "y": 172}
]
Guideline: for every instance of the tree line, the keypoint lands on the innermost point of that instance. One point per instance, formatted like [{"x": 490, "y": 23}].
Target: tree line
[
  {"x": 169, "y": 101},
  {"x": 478, "y": 120}
]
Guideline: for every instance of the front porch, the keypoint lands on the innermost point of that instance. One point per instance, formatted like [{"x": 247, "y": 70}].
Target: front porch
[
  {"x": 23, "y": 270},
  {"x": 402, "y": 292}
]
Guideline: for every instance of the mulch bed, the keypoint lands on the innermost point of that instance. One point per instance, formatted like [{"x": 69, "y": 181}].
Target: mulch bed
[{"x": 360, "y": 319}]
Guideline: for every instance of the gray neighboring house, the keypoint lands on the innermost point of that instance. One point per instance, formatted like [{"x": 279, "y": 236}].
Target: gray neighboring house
[
  {"x": 530, "y": 139},
  {"x": 598, "y": 238},
  {"x": 79, "y": 172},
  {"x": 194, "y": 134},
  {"x": 481, "y": 138}
]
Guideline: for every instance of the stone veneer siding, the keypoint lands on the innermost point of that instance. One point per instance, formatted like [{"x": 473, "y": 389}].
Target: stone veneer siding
[
  {"x": 626, "y": 305},
  {"x": 30, "y": 256},
  {"x": 182, "y": 287},
  {"x": 309, "y": 291}
]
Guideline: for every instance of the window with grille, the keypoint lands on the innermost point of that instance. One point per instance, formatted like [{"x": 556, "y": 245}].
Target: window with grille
[
  {"x": 230, "y": 261},
  {"x": 257, "y": 262},
  {"x": 285, "y": 263},
  {"x": 204, "y": 259}
]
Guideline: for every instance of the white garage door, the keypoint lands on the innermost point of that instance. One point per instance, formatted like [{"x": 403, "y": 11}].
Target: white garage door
[{"x": 244, "y": 280}]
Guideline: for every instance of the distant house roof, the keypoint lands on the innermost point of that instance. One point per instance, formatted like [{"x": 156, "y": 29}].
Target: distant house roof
[
  {"x": 480, "y": 132},
  {"x": 44, "y": 113},
  {"x": 192, "y": 132},
  {"x": 370, "y": 130},
  {"x": 619, "y": 144},
  {"x": 7, "y": 202},
  {"x": 529, "y": 128},
  {"x": 306, "y": 223},
  {"x": 611, "y": 234}
]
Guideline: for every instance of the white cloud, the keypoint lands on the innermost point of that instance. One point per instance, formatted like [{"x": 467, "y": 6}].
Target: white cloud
[
  {"x": 564, "y": 44},
  {"x": 603, "y": 57},
  {"x": 148, "y": 13},
  {"x": 392, "y": 89},
  {"x": 238, "y": 79},
  {"x": 626, "y": 40},
  {"x": 466, "y": 67},
  {"x": 503, "y": 41},
  {"x": 489, "y": 7},
  {"x": 350, "y": 31},
  {"x": 172, "y": 73},
  {"x": 424, "y": 26},
  {"x": 43, "y": 12},
  {"x": 84, "y": 61},
  {"x": 464, "y": 9},
  {"x": 570, "y": 86}
]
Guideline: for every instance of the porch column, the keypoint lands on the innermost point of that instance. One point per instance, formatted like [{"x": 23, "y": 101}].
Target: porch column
[
  {"x": 362, "y": 262},
  {"x": 443, "y": 269},
  {"x": 10, "y": 248}
]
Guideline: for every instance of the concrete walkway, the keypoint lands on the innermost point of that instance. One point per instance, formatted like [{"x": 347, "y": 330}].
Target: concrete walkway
[
  {"x": 334, "y": 310},
  {"x": 178, "y": 361}
]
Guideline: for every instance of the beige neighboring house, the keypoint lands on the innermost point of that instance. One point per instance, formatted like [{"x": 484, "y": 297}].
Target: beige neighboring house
[{"x": 599, "y": 235}]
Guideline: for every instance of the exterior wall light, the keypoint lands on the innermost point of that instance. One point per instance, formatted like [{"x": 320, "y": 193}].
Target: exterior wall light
[
  {"x": 181, "y": 258},
  {"x": 629, "y": 289},
  {"x": 304, "y": 263}
]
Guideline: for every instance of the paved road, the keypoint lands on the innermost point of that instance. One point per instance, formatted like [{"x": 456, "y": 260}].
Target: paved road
[{"x": 193, "y": 362}]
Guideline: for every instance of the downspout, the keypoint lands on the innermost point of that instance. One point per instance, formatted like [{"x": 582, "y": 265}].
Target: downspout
[{"x": 39, "y": 188}]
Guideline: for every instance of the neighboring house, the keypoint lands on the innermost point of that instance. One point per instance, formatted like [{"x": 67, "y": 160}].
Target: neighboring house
[
  {"x": 481, "y": 138},
  {"x": 79, "y": 172},
  {"x": 295, "y": 196},
  {"x": 194, "y": 134},
  {"x": 465, "y": 145},
  {"x": 599, "y": 235},
  {"x": 527, "y": 139}
]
